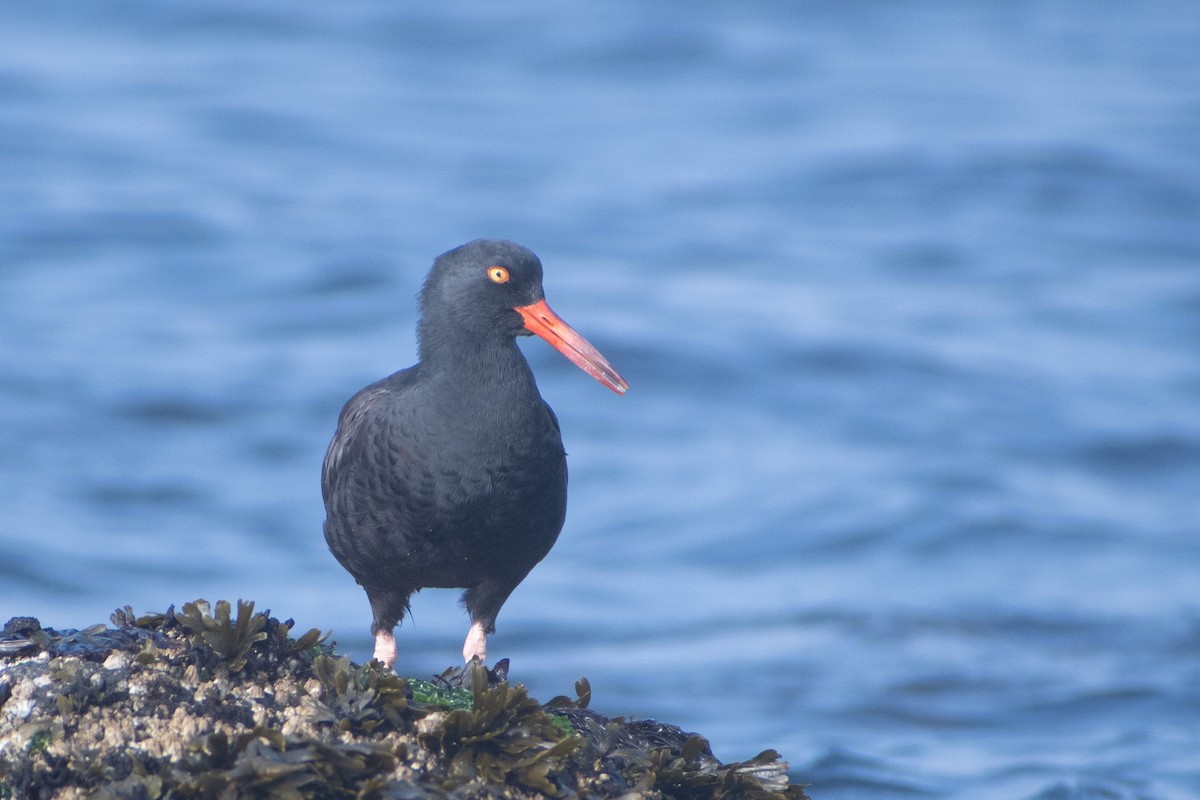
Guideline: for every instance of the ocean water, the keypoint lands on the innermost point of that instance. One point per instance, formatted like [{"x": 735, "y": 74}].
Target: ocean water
[{"x": 907, "y": 484}]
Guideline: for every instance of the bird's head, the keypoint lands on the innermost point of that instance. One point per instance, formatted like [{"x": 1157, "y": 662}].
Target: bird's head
[{"x": 491, "y": 287}]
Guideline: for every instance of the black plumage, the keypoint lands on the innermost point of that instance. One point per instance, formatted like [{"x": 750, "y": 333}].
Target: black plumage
[{"x": 452, "y": 473}]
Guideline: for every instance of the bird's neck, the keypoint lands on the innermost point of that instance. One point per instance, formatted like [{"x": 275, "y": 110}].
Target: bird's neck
[{"x": 489, "y": 365}]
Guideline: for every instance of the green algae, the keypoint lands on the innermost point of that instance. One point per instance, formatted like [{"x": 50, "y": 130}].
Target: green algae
[
  {"x": 440, "y": 695},
  {"x": 562, "y": 723},
  {"x": 38, "y": 741}
]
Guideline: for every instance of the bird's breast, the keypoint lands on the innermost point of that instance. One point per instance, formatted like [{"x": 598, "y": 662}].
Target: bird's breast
[
  {"x": 489, "y": 494},
  {"x": 445, "y": 489}
]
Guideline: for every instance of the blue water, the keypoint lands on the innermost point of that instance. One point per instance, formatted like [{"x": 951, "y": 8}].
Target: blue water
[{"x": 908, "y": 482}]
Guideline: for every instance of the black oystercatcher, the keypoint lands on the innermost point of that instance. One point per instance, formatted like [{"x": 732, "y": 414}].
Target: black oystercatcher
[{"x": 452, "y": 473}]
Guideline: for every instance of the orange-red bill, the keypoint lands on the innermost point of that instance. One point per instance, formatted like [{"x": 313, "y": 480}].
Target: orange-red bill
[{"x": 541, "y": 319}]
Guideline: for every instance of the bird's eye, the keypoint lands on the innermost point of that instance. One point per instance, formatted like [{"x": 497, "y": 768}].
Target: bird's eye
[{"x": 498, "y": 274}]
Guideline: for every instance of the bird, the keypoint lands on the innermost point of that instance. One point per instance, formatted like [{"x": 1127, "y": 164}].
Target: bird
[{"x": 452, "y": 473}]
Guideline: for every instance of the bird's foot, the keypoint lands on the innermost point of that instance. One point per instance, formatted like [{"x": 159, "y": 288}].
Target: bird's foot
[
  {"x": 476, "y": 644},
  {"x": 385, "y": 648}
]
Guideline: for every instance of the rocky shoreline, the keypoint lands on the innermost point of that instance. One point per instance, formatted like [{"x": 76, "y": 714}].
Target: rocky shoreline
[{"x": 222, "y": 702}]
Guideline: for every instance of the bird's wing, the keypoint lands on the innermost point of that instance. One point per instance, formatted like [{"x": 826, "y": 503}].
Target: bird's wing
[
  {"x": 358, "y": 422},
  {"x": 553, "y": 417}
]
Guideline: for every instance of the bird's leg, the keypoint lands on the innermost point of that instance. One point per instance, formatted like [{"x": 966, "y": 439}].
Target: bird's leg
[
  {"x": 483, "y": 601},
  {"x": 476, "y": 644},
  {"x": 385, "y": 648},
  {"x": 389, "y": 604}
]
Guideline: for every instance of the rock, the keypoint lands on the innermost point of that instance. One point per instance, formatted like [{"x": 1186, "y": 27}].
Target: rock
[{"x": 203, "y": 703}]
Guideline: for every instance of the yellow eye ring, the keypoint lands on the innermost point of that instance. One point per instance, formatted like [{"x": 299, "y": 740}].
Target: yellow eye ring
[{"x": 498, "y": 274}]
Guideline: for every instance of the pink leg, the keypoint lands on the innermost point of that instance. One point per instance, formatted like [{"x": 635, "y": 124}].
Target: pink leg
[
  {"x": 385, "y": 648},
  {"x": 476, "y": 644}
]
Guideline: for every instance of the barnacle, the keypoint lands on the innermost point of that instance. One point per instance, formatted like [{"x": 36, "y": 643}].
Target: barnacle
[
  {"x": 147, "y": 655},
  {"x": 77, "y": 684}
]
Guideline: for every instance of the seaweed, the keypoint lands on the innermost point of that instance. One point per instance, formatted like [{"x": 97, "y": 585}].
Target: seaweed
[
  {"x": 232, "y": 642},
  {"x": 309, "y": 642},
  {"x": 505, "y": 737},
  {"x": 264, "y": 762},
  {"x": 358, "y": 699},
  {"x": 125, "y": 617},
  {"x": 206, "y": 703},
  {"x": 229, "y": 641},
  {"x": 256, "y": 763},
  {"x": 583, "y": 696},
  {"x": 647, "y": 756},
  {"x": 688, "y": 775},
  {"x": 138, "y": 785}
]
